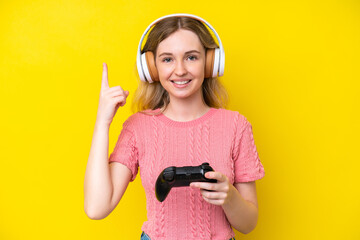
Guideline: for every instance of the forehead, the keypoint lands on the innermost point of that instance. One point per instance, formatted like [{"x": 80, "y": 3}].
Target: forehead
[{"x": 180, "y": 41}]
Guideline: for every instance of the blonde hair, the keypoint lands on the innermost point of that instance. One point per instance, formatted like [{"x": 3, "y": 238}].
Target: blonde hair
[{"x": 153, "y": 95}]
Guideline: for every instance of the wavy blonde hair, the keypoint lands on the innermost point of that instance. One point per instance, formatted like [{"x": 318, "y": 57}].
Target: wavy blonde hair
[{"x": 153, "y": 95}]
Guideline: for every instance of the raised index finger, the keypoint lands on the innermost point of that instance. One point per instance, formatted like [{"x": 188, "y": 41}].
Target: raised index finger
[{"x": 104, "y": 81}]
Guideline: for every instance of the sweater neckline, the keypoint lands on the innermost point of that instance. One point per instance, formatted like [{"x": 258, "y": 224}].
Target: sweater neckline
[{"x": 190, "y": 123}]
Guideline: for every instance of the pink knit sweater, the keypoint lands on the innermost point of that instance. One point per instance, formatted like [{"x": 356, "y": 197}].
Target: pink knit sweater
[{"x": 221, "y": 137}]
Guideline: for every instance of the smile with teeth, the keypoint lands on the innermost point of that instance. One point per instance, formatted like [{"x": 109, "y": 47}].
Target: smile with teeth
[{"x": 181, "y": 82}]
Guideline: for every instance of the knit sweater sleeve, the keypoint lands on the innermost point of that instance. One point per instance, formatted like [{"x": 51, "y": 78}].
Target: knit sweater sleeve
[
  {"x": 247, "y": 165},
  {"x": 125, "y": 150}
]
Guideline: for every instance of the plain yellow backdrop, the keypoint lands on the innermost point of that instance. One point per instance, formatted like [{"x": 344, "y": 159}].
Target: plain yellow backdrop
[{"x": 292, "y": 68}]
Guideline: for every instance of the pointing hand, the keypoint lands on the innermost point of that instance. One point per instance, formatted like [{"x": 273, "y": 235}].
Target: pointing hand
[{"x": 110, "y": 99}]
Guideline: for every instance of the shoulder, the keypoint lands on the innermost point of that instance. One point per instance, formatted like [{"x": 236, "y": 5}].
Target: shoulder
[
  {"x": 232, "y": 115},
  {"x": 139, "y": 118},
  {"x": 236, "y": 122}
]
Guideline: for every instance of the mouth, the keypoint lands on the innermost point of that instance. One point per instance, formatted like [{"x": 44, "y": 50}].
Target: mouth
[{"x": 181, "y": 82}]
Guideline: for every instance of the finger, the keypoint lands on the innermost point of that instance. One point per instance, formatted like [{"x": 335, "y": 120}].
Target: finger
[
  {"x": 215, "y": 202},
  {"x": 204, "y": 185},
  {"x": 120, "y": 100},
  {"x": 116, "y": 89},
  {"x": 117, "y": 92},
  {"x": 216, "y": 175},
  {"x": 213, "y": 195},
  {"x": 104, "y": 81}
]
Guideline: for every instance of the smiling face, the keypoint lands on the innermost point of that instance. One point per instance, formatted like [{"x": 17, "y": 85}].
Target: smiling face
[{"x": 180, "y": 61}]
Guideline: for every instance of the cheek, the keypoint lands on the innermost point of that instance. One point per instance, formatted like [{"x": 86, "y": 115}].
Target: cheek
[
  {"x": 198, "y": 69},
  {"x": 163, "y": 71}
]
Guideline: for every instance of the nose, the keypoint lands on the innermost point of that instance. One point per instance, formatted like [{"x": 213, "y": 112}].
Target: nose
[{"x": 180, "y": 68}]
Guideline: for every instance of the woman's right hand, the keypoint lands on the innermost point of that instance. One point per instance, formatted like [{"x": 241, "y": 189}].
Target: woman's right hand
[{"x": 110, "y": 99}]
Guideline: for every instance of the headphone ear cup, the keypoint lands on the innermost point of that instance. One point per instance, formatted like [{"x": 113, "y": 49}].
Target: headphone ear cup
[
  {"x": 145, "y": 71},
  {"x": 140, "y": 69},
  {"x": 150, "y": 61},
  {"x": 216, "y": 62},
  {"x": 209, "y": 62}
]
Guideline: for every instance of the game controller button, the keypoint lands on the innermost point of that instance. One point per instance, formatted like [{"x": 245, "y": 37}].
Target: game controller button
[{"x": 168, "y": 176}]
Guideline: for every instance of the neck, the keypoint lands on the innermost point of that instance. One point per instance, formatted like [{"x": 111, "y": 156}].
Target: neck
[{"x": 183, "y": 110}]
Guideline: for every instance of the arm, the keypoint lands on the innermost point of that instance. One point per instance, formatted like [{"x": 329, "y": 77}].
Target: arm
[
  {"x": 104, "y": 184},
  {"x": 241, "y": 209}
]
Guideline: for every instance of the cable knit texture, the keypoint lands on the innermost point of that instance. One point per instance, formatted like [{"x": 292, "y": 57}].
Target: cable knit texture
[{"x": 220, "y": 137}]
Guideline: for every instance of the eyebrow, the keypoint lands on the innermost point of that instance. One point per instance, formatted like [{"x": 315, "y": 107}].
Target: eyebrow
[{"x": 191, "y": 51}]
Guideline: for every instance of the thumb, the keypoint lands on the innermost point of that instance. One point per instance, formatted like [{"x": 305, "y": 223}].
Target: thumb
[{"x": 104, "y": 81}]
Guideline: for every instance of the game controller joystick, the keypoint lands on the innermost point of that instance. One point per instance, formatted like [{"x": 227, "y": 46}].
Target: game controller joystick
[{"x": 180, "y": 177}]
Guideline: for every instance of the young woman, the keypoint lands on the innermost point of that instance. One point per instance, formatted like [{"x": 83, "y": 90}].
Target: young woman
[{"x": 181, "y": 122}]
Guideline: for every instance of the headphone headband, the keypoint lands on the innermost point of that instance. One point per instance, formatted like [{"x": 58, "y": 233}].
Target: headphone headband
[{"x": 138, "y": 56}]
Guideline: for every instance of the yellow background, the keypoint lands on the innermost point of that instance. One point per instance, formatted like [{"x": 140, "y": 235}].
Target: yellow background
[{"x": 292, "y": 68}]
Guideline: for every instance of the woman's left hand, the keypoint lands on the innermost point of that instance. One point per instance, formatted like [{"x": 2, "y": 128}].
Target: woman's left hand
[{"x": 215, "y": 193}]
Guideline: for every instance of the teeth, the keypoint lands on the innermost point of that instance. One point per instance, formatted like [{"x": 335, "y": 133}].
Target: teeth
[{"x": 181, "y": 82}]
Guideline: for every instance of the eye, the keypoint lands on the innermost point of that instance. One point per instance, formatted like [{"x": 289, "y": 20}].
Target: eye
[
  {"x": 166, "y": 60},
  {"x": 192, "y": 57}
]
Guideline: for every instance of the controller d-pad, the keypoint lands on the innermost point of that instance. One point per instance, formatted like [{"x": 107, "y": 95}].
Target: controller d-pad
[{"x": 168, "y": 176}]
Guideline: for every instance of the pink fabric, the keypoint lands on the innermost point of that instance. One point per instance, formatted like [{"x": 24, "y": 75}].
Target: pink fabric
[{"x": 221, "y": 137}]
